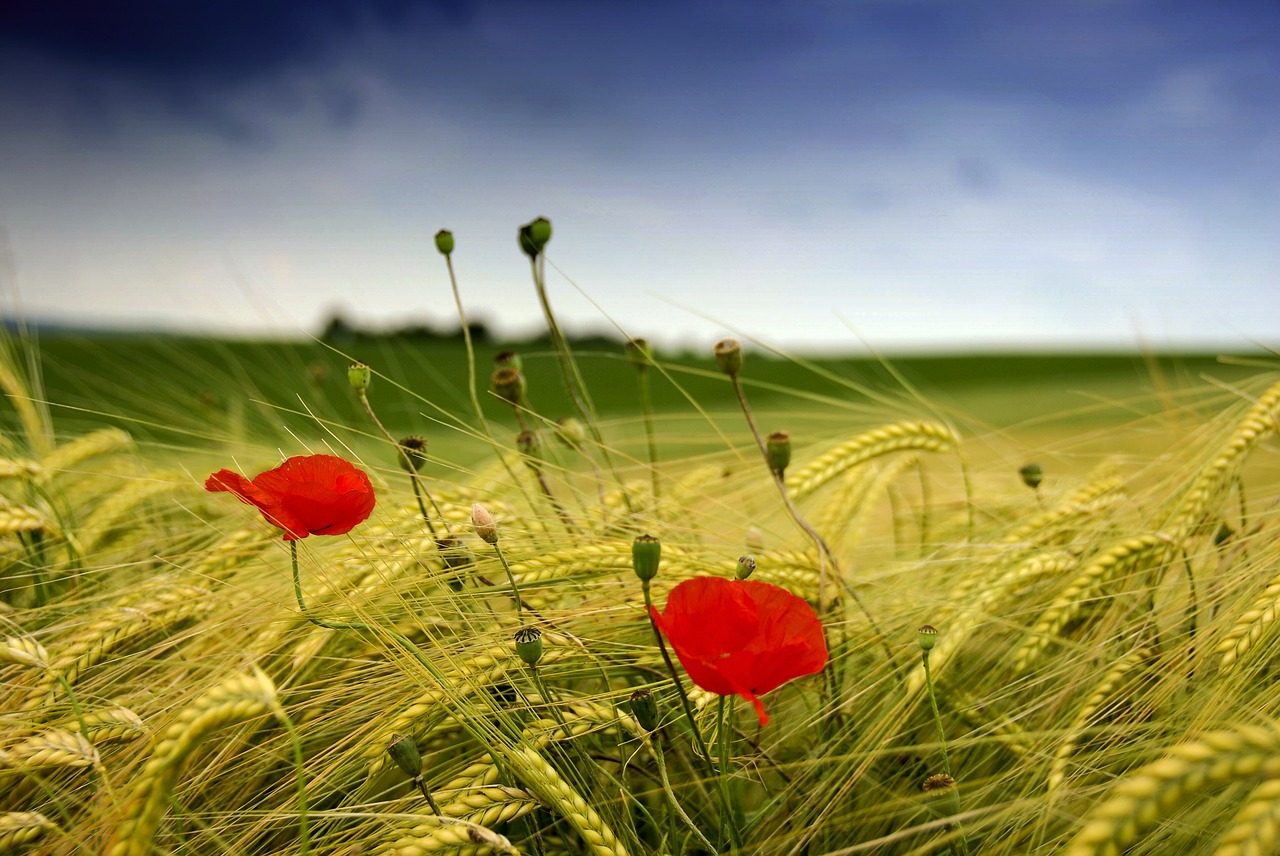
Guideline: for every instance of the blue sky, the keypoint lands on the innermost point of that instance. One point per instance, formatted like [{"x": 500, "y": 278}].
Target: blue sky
[{"x": 912, "y": 174}]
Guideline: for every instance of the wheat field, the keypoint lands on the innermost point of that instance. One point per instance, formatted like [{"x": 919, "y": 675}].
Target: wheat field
[{"x": 1098, "y": 683}]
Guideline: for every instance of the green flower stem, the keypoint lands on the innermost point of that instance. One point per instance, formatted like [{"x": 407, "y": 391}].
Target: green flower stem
[
  {"x": 824, "y": 551},
  {"x": 942, "y": 737},
  {"x": 304, "y": 827},
  {"x": 471, "y": 351},
  {"x": 724, "y": 729},
  {"x": 401, "y": 640},
  {"x": 515, "y": 590},
  {"x": 572, "y": 378},
  {"x": 426, "y": 793},
  {"x": 646, "y": 405},
  {"x": 408, "y": 465},
  {"x": 703, "y": 752},
  {"x": 656, "y": 747}
]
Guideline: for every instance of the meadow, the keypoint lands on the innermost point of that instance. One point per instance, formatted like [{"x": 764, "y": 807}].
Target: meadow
[{"x": 1043, "y": 590}]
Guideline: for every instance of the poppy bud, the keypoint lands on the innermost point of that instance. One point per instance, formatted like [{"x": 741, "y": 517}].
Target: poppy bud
[
  {"x": 1032, "y": 474},
  {"x": 508, "y": 383},
  {"x": 529, "y": 645},
  {"x": 640, "y": 353},
  {"x": 414, "y": 457},
  {"x": 646, "y": 551},
  {"x": 927, "y": 637},
  {"x": 484, "y": 524},
  {"x": 444, "y": 242},
  {"x": 359, "y": 376},
  {"x": 777, "y": 447},
  {"x": 508, "y": 358},
  {"x": 746, "y": 567},
  {"x": 644, "y": 707},
  {"x": 571, "y": 432},
  {"x": 405, "y": 753},
  {"x": 728, "y": 356}
]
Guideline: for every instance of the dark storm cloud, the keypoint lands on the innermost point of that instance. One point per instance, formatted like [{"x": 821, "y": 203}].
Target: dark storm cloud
[{"x": 225, "y": 41}]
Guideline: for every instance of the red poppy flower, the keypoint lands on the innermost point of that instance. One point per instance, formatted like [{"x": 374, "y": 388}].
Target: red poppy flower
[
  {"x": 306, "y": 495},
  {"x": 742, "y": 637}
]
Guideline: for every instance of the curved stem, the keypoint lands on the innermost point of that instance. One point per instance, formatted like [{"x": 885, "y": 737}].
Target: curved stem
[
  {"x": 824, "y": 551},
  {"x": 671, "y": 796}
]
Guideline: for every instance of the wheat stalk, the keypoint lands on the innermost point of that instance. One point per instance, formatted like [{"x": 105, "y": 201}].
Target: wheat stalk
[{"x": 1100, "y": 696}]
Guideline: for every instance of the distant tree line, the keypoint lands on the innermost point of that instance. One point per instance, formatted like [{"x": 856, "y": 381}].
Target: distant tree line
[{"x": 340, "y": 330}]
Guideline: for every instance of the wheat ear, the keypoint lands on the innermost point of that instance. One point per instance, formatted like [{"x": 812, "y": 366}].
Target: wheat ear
[
  {"x": 18, "y": 518},
  {"x": 1249, "y": 627},
  {"x": 164, "y": 612},
  {"x": 95, "y": 444},
  {"x": 20, "y": 828},
  {"x": 541, "y": 779},
  {"x": 235, "y": 700},
  {"x": 1088, "y": 584},
  {"x": 1081, "y": 503},
  {"x": 1196, "y": 505},
  {"x": 122, "y": 504},
  {"x": 1255, "y": 830},
  {"x": 458, "y": 838},
  {"x": 922, "y": 436},
  {"x": 1156, "y": 791},
  {"x": 110, "y": 725}
]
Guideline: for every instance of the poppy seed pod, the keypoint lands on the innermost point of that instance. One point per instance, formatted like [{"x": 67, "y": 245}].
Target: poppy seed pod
[
  {"x": 359, "y": 375},
  {"x": 527, "y": 444},
  {"x": 484, "y": 524},
  {"x": 444, "y": 242},
  {"x": 640, "y": 353},
  {"x": 414, "y": 453},
  {"x": 540, "y": 232},
  {"x": 404, "y": 752},
  {"x": 927, "y": 637},
  {"x": 728, "y": 355},
  {"x": 938, "y": 782},
  {"x": 452, "y": 553},
  {"x": 746, "y": 567},
  {"x": 508, "y": 384},
  {"x": 646, "y": 552},
  {"x": 529, "y": 645},
  {"x": 571, "y": 432},
  {"x": 777, "y": 447},
  {"x": 644, "y": 707},
  {"x": 1032, "y": 474},
  {"x": 503, "y": 359}
]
